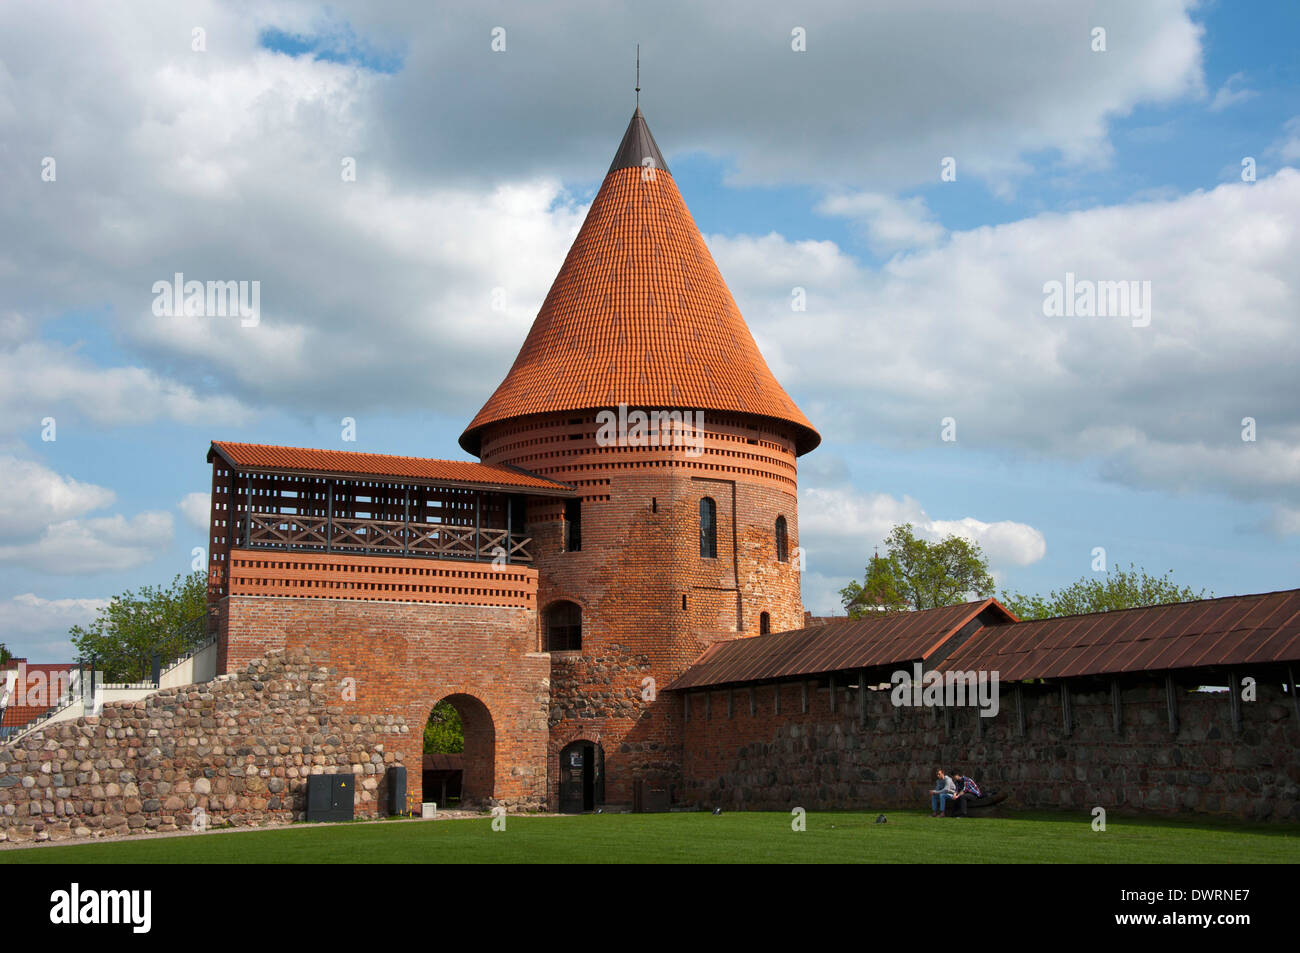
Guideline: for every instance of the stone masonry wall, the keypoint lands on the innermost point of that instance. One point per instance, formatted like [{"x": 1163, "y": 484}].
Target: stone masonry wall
[
  {"x": 238, "y": 749},
  {"x": 824, "y": 760}
]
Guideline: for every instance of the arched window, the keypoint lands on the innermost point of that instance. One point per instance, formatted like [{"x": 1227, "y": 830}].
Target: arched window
[
  {"x": 708, "y": 528},
  {"x": 782, "y": 547},
  {"x": 563, "y": 627},
  {"x": 764, "y": 624}
]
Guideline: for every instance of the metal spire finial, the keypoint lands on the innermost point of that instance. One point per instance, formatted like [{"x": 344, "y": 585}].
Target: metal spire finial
[{"x": 638, "y": 76}]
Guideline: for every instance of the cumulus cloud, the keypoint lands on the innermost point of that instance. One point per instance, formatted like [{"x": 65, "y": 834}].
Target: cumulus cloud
[
  {"x": 393, "y": 277},
  {"x": 845, "y": 520},
  {"x": 959, "y": 331},
  {"x": 39, "y": 379},
  {"x": 34, "y": 496},
  {"x": 196, "y": 508},
  {"x": 98, "y": 544},
  {"x": 890, "y": 224},
  {"x": 36, "y": 628}
]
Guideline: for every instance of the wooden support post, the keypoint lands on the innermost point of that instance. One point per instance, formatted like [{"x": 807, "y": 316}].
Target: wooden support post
[
  {"x": 406, "y": 523},
  {"x": 1067, "y": 712},
  {"x": 329, "y": 519},
  {"x": 832, "y": 693},
  {"x": 1234, "y": 700},
  {"x": 477, "y": 513},
  {"x": 510, "y": 512},
  {"x": 1116, "y": 706},
  {"x": 803, "y": 685},
  {"x": 776, "y": 698},
  {"x": 248, "y": 510},
  {"x": 753, "y": 701},
  {"x": 1295, "y": 701},
  {"x": 862, "y": 696},
  {"x": 731, "y": 703},
  {"x": 708, "y": 704},
  {"x": 1020, "y": 709},
  {"x": 686, "y": 706},
  {"x": 1171, "y": 702}
]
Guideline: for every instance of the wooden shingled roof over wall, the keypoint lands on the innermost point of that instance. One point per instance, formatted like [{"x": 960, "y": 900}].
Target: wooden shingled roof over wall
[
  {"x": 1208, "y": 633},
  {"x": 839, "y": 645}
]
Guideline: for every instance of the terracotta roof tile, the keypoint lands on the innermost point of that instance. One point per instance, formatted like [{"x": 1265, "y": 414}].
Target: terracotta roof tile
[
  {"x": 639, "y": 314},
  {"x": 350, "y": 462}
]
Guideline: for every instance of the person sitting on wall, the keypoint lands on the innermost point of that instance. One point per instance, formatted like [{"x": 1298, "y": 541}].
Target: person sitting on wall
[
  {"x": 943, "y": 790},
  {"x": 967, "y": 788}
]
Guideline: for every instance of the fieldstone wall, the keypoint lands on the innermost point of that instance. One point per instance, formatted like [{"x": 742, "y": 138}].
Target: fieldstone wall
[
  {"x": 757, "y": 758},
  {"x": 235, "y": 751}
]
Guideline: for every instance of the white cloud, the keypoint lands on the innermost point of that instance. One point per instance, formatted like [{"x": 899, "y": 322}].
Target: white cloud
[
  {"x": 196, "y": 508},
  {"x": 99, "y": 544},
  {"x": 36, "y": 628},
  {"x": 890, "y": 224},
  {"x": 839, "y": 519},
  {"x": 35, "y": 496},
  {"x": 840, "y": 527},
  {"x": 39, "y": 379},
  {"x": 959, "y": 330},
  {"x": 1231, "y": 93}
]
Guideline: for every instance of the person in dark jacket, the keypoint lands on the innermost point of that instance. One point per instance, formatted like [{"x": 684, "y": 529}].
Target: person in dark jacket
[{"x": 966, "y": 788}]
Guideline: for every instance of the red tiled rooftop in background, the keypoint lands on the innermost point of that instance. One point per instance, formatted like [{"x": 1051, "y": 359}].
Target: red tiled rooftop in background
[
  {"x": 349, "y": 462},
  {"x": 1233, "y": 630},
  {"x": 837, "y": 645},
  {"x": 16, "y": 716},
  {"x": 639, "y": 314}
]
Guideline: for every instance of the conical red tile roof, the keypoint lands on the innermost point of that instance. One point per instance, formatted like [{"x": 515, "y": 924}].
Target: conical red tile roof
[{"x": 639, "y": 314}]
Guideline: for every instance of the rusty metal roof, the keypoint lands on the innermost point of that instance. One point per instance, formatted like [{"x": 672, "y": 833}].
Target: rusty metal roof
[
  {"x": 838, "y": 645},
  {"x": 1232, "y": 630},
  {"x": 256, "y": 456},
  {"x": 639, "y": 315}
]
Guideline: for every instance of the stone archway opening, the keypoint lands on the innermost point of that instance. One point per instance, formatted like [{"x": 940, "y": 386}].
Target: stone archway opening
[{"x": 459, "y": 753}]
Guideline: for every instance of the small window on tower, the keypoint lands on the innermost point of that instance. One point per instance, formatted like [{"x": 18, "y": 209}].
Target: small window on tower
[
  {"x": 782, "y": 551},
  {"x": 572, "y": 526},
  {"x": 564, "y": 627},
  {"x": 764, "y": 624},
  {"x": 708, "y": 529}
]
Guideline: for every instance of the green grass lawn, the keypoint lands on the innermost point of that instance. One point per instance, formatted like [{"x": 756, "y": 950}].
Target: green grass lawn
[{"x": 908, "y": 837}]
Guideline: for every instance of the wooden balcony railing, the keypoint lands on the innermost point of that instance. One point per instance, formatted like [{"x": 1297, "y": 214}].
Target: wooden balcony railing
[{"x": 385, "y": 538}]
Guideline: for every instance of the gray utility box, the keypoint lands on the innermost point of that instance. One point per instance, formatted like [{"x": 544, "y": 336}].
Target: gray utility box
[{"x": 330, "y": 797}]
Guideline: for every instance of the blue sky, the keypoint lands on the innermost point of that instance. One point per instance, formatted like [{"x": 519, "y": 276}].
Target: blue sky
[{"x": 812, "y": 169}]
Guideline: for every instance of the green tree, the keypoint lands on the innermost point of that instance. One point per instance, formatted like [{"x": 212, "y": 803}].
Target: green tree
[
  {"x": 918, "y": 574},
  {"x": 1117, "y": 589},
  {"x": 136, "y": 625},
  {"x": 444, "y": 733}
]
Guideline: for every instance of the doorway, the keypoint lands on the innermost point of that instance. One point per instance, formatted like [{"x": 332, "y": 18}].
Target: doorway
[{"x": 582, "y": 777}]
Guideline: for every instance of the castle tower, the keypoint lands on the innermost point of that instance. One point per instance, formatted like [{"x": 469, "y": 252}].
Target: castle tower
[{"x": 680, "y": 535}]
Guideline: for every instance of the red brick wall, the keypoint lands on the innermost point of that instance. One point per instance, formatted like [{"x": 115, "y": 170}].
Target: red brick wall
[
  {"x": 405, "y": 658},
  {"x": 640, "y": 556}
]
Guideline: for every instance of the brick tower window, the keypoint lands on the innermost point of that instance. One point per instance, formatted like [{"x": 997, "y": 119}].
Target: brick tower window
[
  {"x": 782, "y": 547},
  {"x": 564, "y": 627},
  {"x": 764, "y": 623},
  {"x": 572, "y": 526},
  {"x": 708, "y": 529}
]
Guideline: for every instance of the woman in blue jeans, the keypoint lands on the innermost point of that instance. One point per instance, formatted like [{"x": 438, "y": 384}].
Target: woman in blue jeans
[{"x": 944, "y": 789}]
